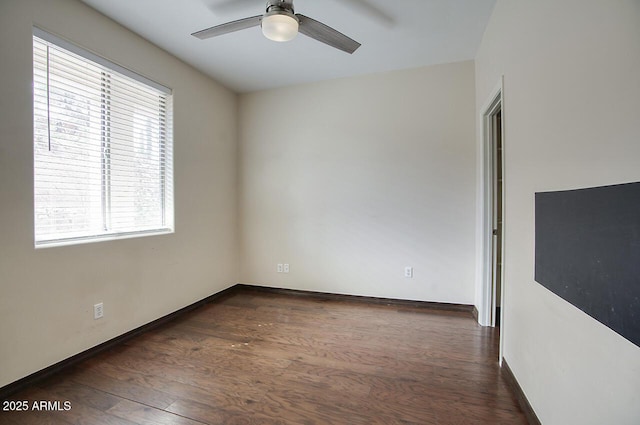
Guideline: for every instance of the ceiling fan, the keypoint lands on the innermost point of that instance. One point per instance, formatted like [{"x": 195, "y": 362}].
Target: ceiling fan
[{"x": 280, "y": 23}]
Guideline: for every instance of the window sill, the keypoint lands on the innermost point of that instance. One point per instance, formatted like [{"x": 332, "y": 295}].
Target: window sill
[{"x": 103, "y": 238}]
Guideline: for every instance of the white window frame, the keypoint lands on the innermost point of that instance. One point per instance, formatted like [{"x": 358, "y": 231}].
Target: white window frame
[{"x": 162, "y": 225}]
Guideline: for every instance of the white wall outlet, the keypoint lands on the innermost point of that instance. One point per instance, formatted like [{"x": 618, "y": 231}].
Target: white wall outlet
[
  {"x": 98, "y": 311},
  {"x": 286, "y": 268},
  {"x": 408, "y": 271},
  {"x": 280, "y": 269}
]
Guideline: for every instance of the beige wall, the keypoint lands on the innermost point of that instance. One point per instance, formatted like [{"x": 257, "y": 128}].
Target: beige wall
[
  {"x": 351, "y": 180},
  {"x": 572, "y": 119},
  {"x": 47, "y": 296}
]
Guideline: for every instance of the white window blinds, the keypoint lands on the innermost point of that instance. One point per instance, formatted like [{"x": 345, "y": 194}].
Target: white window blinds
[{"x": 102, "y": 148}]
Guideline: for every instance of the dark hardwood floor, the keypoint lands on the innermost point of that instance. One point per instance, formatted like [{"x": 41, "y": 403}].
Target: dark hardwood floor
[{"x": 259, "y": 358}]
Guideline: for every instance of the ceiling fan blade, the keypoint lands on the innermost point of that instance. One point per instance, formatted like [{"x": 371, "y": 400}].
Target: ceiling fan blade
[
  {"x": 326, "y": 34},
  {"x": 232, "y": 26}
]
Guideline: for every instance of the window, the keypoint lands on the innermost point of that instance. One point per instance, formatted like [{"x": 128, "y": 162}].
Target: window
[{"x": 103, "y": 165}]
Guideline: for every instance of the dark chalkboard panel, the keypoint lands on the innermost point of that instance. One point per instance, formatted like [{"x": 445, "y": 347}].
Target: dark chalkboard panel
[{"x": 588, "y": 252}]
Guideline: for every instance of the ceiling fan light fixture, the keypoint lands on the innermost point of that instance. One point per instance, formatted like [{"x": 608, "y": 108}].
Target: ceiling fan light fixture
[
  {"x": 280, "y": 23},
  {"x": 280, "y": 26}
]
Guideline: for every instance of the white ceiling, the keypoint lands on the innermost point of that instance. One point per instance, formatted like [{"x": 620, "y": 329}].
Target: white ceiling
[{"x": 413, "y": 33}]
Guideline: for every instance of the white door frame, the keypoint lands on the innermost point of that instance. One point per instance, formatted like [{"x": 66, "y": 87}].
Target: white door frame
[{"x": 487, "y": 295}]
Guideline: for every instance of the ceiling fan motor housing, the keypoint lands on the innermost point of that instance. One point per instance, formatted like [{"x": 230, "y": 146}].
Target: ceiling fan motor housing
[{"x": 281, "y": 5}]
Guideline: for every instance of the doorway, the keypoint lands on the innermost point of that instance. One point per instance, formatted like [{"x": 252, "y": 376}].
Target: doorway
[
  {"x": 496, "y": 217},
  {"x": 492, "y": 218}
]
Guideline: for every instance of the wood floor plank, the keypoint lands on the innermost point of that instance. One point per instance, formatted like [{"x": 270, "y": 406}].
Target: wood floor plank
[
  {"x": 78, "y": 412},
  {"x": 121, "y": 388},
  {"x": 145, "y": 415},
  {"x": 295, "y": 406},
  {"x": 337, "y": 381},
  {"x": 223, "y": 390},
  {"x": 208, "y": 413},
  {"x": 257, "y": 358},
  {"x": 72, "y": 391},
  {"x": 31, "y": 418}
]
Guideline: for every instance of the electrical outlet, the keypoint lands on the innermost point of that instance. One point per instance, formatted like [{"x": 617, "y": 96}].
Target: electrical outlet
[
  {"x": 98, "y": 311},
  {"x": 280, "y": 268},
  {"x": 286, "y": 268},
  {"x": 408, "y": 272}
]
